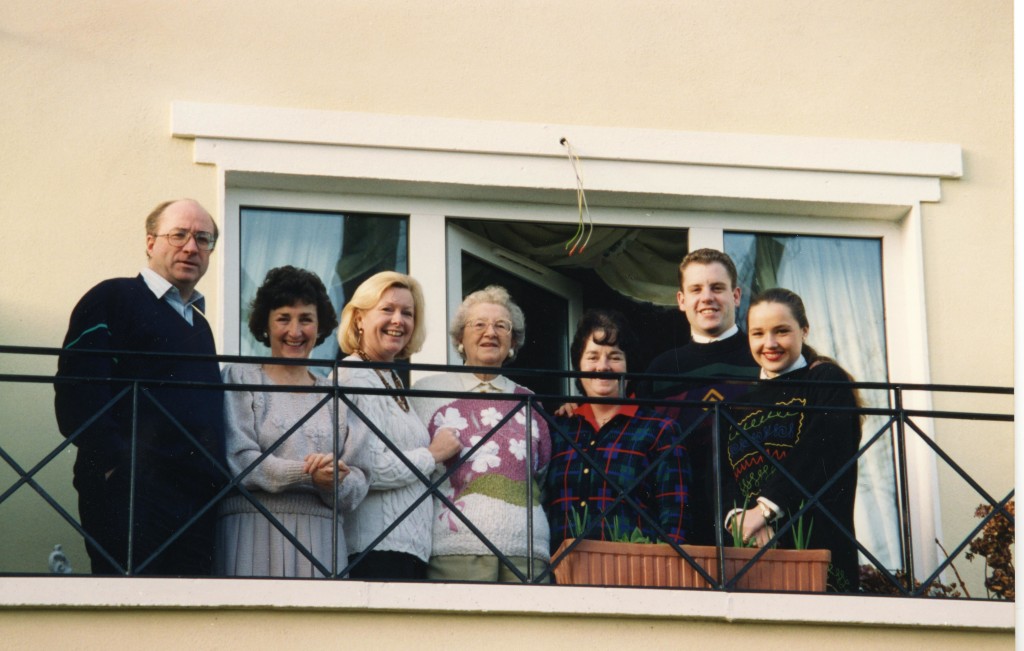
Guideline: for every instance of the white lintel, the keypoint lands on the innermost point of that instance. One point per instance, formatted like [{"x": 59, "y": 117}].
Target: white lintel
[{"x": 235, "y": 122}]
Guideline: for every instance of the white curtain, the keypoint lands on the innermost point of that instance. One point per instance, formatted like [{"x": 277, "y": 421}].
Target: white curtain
[
  {"x": 840, "y": 282},
  {"x": 343, "y": 249},
  {"x": 269, "y": 239}
]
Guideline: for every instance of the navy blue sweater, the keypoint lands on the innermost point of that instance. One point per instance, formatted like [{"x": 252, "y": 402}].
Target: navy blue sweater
[
  {"x": 122, "y": 314},
  {"x": 727, "y": 358}
]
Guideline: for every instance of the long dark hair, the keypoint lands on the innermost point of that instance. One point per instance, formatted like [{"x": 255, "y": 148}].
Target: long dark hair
[{"x": 795, "y": 304}]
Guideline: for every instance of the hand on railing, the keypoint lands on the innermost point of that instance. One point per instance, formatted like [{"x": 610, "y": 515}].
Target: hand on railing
[{"x": 321, "y": 468}]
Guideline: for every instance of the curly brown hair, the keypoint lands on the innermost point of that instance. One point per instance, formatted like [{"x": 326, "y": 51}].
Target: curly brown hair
[{"x": 289, "y": 285}]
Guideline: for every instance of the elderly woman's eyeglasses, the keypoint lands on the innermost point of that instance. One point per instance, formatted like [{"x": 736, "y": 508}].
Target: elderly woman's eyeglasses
[
  {"x": 179, "y": 237},
  {"x": 480, "y": 326}
]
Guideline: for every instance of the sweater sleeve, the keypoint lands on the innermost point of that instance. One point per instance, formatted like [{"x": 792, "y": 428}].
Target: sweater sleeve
[
  {"x": 543, "y": 443},
  {"x": 366, "y": 449},
  {"x": 355, "y": 486},
  {"x": 827, "y": 440},
  {"x": 241, "y": 418},
  {"x": 351, "y": 491},
  {"x": 93, "y": 326}
]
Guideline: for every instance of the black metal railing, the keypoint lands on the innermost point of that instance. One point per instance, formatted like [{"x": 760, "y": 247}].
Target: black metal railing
[{"x": 900, "y": 425}]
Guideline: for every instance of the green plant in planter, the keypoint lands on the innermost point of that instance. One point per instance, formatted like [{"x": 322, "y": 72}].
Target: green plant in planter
[
  {"x": 736, "y": 528},
  {"x": 617, "y": 534},
  {"x": 637, "y": 536},
  {"x": 578, "y": 524},
  {"x": 801, "y": 538},
  {"x": 614, "y": 531}
]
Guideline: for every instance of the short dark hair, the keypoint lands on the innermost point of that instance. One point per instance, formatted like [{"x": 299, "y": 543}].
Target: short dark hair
[
  {"x": 709, "y": 256},
  {"x": 616, "y": 332},
  {"x": 285, "y": 286}
]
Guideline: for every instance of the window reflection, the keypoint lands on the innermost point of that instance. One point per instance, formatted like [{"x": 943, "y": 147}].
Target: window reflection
[
  {"x": 342, "y": 248},
  {"x": 840, "y": 281}
]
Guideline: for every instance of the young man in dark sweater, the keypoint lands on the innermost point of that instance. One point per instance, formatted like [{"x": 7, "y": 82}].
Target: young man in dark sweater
[
  {"x": 708, "y": 295},
  {"x": 176, "y": 436}
]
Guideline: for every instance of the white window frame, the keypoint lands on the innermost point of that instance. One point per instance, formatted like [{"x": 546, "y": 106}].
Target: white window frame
[
  {"x": 462, "y": 241},
  {"x": 434, "y": 168}
]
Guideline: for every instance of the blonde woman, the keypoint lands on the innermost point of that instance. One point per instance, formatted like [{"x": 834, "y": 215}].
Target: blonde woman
[{"x": 383, "y": 322}]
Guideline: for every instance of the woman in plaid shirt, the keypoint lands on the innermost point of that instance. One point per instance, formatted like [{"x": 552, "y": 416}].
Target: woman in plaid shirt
[{"x": 606, "y": 449}]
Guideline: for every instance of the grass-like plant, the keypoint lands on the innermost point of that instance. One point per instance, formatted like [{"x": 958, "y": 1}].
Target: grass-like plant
[
  {"x": 617, "y": 534},
  {"x": 614, "y": 530},
  {"x": 736, "y": 527},
  {"x": 577, "y": 523},
  {"x": 801, "y": 538}
]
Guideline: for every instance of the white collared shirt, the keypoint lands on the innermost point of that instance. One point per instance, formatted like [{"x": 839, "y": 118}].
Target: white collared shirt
[
  {"x": 798, "y": 364},
  {"x": 702, "y": 339},
  {"x": 471, "y": 383},
  {"x": 164, "y": 290}
]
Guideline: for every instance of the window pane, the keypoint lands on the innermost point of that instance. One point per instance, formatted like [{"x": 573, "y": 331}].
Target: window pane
[
  {"x": 547, "y": 321},
  {"x": 629, "y": 269},
  {"x": 343, "y": 249},
  {"x": 840, "y": 282}
]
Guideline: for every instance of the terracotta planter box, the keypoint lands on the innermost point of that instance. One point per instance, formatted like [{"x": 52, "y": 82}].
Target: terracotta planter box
[
  {"x": 595, "y": 562},
  {"x": 779, "y": 570}
]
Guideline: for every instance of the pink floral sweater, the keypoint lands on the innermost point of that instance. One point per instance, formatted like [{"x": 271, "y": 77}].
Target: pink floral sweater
[{"x": 489, "y": 485}]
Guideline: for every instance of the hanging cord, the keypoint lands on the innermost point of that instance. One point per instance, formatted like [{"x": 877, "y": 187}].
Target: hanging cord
[{"x": 578, "y": 239}]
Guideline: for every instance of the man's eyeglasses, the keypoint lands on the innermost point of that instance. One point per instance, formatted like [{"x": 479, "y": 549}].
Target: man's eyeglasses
[
  {"x": 179, "y": 237},
  {"x": 501, "y": 326}
]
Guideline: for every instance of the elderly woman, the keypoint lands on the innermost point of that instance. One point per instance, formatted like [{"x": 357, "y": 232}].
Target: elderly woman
[
  {"x": 490, "y": 487},
  {"x": 382, "y": 322},
  {"x": 291, "y": 314},
  {"x": 623, "y": 442}
]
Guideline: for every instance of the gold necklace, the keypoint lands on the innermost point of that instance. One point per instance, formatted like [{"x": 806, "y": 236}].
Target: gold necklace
[{"x": 402, "y": 402}]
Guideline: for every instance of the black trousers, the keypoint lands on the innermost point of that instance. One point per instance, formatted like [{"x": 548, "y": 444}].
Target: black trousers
[
  {"x": 161, "y": 508},
  {"x": 389, "y": 566}
]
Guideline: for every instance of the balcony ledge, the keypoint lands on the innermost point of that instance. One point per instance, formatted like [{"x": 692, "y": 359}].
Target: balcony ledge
[{"x": 475, "y": 599}]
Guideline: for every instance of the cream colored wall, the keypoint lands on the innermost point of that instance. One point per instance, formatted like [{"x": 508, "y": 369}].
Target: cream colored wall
[
  {"x": 163, "y": 629},
  {"x": 85, "y": 150}
]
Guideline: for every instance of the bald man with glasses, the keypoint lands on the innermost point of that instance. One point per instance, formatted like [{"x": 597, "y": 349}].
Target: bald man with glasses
[{"x": 177, "y": 424}]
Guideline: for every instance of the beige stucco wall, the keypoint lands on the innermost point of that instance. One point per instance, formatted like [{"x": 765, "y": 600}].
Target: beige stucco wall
[
  {"x": 85, "y": 150},
  {"x": 168, "y": 629}
]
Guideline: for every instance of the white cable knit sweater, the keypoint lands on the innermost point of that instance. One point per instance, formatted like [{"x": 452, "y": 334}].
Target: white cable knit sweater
[{"x": 393, "y": 485}]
